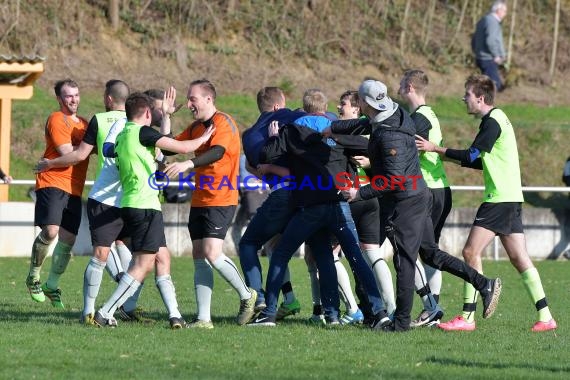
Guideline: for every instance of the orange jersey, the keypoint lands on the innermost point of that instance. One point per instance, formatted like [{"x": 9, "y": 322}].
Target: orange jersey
[
  {"x": 61, "y": 129},
  {"x": 216, "y": 183}
]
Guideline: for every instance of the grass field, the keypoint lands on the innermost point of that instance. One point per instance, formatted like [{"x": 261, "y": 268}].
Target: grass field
[{"x": 39, "y": 342}]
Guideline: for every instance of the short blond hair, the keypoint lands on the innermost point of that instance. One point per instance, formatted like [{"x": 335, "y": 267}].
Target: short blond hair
[{"x": 314, "y": 101}]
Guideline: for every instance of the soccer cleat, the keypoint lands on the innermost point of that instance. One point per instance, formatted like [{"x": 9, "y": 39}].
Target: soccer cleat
[
  {"x": 317, "y": 319},
  {"x": 428, "y": 318},
  {"x": 54, "y": 296},
  {"x": 491, "y": 297},
  {"x": 544, "y": 326},
  {"x": 200, "y": 324},
  {"x": 101, "y": 321},
  {"x": 381, "y": 323},
  {"x": 457, "y": 324},
  {"x": 35, "y": 289},
  {"x": 88, "y": 320},
  {"x": 352, "y": 319},
  {"x": 287, "y": 309},
  {"x": 247, "y": 308},
  {"x": 135, "y": 315},
  {"x": 176, "y": 323},
  {"x": 262, "y": 320}
]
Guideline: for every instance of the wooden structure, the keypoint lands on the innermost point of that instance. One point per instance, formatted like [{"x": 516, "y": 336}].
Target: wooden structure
[{"x": 17, "y": 77}]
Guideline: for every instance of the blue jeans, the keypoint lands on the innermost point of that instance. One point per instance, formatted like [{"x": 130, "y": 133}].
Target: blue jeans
[
  {"x": 314, "y": 225},
  {"x": 271, "y": 218}
]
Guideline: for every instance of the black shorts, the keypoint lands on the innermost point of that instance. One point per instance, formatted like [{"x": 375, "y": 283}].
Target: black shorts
[
  {"x": 501, "y": 218},
  {"x": 210, "y": 222},
  {"x": 59, "y": 208},
  {"x": 105, "y": 223},
  {"x": 366, "y": 215},
  {"x": 145, "y": 227}
]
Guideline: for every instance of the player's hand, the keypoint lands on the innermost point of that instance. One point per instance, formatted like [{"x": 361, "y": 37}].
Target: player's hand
[
  {"x": 327, "y": 132},
  {"x": 208, "y": 133},
  {"x": 172, "y": 170},
  {"x": 424, "y": 145},
  {"x": 350, "y": 195},
  {"x": 363, "y": 161},
  {"x": 273, "y": 129},
  {"x": 169, "y": 101},
  {"x": 42, "y": 166},
  {"x": 8, "y": 179}
]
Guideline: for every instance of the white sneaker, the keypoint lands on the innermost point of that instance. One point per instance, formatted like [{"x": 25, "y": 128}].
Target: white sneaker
[{"x": 428, "y": 318}]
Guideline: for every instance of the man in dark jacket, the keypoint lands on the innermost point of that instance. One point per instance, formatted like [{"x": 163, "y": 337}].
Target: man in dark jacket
[{"x": 397, "y": 179}]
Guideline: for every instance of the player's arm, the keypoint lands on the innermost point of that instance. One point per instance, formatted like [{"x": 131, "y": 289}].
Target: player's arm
[
  {"x": 275, "y": 147},
  {"x": 5, "y": 177},
  {"x": 109, "y": 143},
  {"x": 184, "y": 146},
  {"x": 71, "y": 158},
  {"x": 484, "y": 141},
  {"x": 281, "y": 171}
]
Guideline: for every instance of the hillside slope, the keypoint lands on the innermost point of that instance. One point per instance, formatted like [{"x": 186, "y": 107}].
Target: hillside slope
[{"x": 242, "y": 45}]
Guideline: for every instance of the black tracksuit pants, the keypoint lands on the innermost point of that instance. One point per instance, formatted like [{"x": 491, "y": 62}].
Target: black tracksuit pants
[{"x": 410, "y": 231}]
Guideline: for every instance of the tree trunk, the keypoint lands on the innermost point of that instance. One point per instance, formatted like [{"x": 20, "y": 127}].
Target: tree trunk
[
  {"x": 429, "y": 22},
  {"x": 511, "y": 33},
  {"x": 404, "y": 27},
  {"x": 114, "y": 14},
  {"x": 459, "y": 25},
  {"x": 555, "y": 40}
]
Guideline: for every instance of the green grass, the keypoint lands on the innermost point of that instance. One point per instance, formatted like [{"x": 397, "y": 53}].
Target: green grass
[{"x": 41, "y": 342}]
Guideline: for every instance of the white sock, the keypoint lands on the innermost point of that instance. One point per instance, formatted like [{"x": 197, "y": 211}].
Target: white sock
[
  {"x": 434, "y": 279},
  {"x": 127, "y": 286},
  {"x": 203, "y": 284},
  {"x": 125, "y": 256},
  {"x": 131, "y": 302},
  {"x": 383, "y": 277},
  {"x": 228, "y": 270},
  {"x": 91, "y": 283},
  {"x": 315, "y": 287},
  {"x": 344, "y": 288},
  {"x": 114, "y": 265},
  {"x": 168, "y": 294},
  {"x": 422, "y": 287}
]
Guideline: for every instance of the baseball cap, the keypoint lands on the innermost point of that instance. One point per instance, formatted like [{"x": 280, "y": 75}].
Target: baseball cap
[{"x": 375, "y": 93}]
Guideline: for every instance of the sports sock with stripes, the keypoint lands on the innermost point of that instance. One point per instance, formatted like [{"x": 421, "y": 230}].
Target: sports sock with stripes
[
  {"x": 469, "y": 302},
  {"x": 533, "y": 285},
  {"x": 127, "y": 286},
  {"x": 228, "y": 270}
]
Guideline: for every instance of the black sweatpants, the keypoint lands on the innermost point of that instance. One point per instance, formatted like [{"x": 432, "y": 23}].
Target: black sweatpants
[{"x": 412, "y": 231}]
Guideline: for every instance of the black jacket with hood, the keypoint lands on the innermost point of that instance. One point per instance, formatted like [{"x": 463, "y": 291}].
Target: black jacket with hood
[{"x": 317, "y": 164}]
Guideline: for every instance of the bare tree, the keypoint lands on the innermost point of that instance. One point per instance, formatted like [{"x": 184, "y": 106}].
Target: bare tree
[
  {"x": 511, "y": 33},
  {"x": 459, "y": 25},
  {"x": 428, "y": 22},
  {"x": 404, "y": 27},
  {"x": 114, "y": 14},
  {"x": 555, "y": 40}
]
